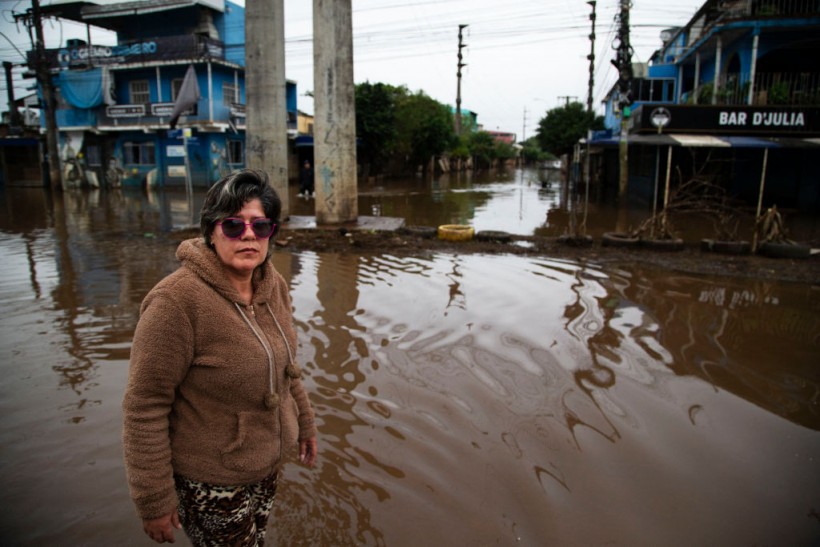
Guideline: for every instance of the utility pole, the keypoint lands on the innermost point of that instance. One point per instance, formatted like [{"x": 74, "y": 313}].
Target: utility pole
[
  {"x": 14, "y": 115},
  {"x": 591, "y": 57},
  {"x": 41, "y": 70},
  {"x": 623, "y": 62},
  {"x": 266, "y": 132},
  {"x": 524, "y": 128},
  {"x": 567, "y": 98},
  {"x": 458, "y": 78}
]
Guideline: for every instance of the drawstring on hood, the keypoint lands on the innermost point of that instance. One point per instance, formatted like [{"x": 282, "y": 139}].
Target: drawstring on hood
[
  {"x": 196, "y": 255},
  {"x": 292, "y": 370}
]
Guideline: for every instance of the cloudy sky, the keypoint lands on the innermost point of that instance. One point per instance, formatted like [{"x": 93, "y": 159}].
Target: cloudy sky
[{"x": 523, "y": 57}]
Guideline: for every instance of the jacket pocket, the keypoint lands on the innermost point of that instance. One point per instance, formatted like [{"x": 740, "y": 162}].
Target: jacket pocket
[{"x": 256, "y": 444}]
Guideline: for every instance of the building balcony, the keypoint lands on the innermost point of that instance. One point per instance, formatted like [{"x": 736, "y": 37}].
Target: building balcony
[
  {"x": 770, "y": 89},
  {"x": 205, "y": 116},
  {"x": 724, "y": 12}
]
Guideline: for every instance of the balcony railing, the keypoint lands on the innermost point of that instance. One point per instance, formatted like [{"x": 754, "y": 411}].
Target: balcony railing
[
  {"x": 742, "y": 9},
  {"x": 727, "y": 11},
  {"x": 166, "y": 48},
  {"x": 781, "y": 8},
  {"x": 771, "y": 89}
]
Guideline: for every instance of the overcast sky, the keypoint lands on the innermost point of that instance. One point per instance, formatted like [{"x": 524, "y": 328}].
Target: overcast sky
[{"x": 523, "y": 57}]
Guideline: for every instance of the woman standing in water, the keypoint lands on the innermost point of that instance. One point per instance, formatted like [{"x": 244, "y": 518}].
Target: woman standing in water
[{"x": 214, "y": 398}]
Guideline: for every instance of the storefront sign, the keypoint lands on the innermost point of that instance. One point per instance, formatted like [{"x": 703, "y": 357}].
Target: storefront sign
[
  {"x": 156, "y": 49},
  {"x": 175, "y": 151},
  {"x": 176, "y": 170},
  {"x": 728, "y": 120},
  {"x": 660, "y": 117},
  {"x": 166, "y": 109},
  {"x": 125, "y": 111}
]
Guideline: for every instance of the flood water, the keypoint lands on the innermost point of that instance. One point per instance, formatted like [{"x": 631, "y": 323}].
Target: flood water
[{"x": 460, "y": 399}]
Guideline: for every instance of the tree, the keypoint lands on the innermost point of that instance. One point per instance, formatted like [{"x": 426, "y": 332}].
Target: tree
[
  {"x": 482, "y": 148},
  {"x": 376, "y": 123},
  {"x": 532, "y": 152},
  {"x": 424, "y": 127},
  {"x": 563, "y": 126}
]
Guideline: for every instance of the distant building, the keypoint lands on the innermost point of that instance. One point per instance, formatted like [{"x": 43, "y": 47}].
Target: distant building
[
  {"x": 740, "y": 77},
  {"x": 469, "y": 120},
  {"x": 115, "y": 102},
  {"x": 502, "y": 136}
]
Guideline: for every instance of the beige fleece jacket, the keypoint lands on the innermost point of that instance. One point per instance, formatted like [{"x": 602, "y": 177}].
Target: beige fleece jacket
[{"x": 213, "y": 393}]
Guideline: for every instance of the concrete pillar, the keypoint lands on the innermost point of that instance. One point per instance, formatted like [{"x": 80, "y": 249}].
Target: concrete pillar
[
  {"x": 334, "y": 123},
  {"x": 266, "y": 123}
]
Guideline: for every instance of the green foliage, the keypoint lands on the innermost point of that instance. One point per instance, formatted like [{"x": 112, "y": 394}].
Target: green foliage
[
  {"x": 504, "y": 151},
  {"x": 424, "y": 127},
  {"x": 705, "y": 93},
  {"x": 376, "y": 123},
  {"x": 482, "y": 148},
  {"x": 392, "y": 122},
  {"x": 532, "y": 152},
  {"x": 562, "y": 127},
  {"x": 779, "y": 93},
  {"x": 460, "y": 148}
]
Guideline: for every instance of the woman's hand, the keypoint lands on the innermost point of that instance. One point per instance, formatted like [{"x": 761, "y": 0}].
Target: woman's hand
[
  {"x": 307, "y": 451},
  {"x": 161, "y": 529}
]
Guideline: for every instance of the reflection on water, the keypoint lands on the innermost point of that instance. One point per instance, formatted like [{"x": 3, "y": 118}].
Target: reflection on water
[
  {"x": 530, "y": 202},
  {"x": 461, "y": 399}
]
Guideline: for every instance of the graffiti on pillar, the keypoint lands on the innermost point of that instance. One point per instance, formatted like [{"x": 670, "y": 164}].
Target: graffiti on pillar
[
  {"x": 328, "y": 175},
  {"x": 257, "y": 146}
]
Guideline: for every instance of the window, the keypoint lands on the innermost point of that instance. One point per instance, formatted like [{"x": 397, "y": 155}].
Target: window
[
  {"x": 139, "y": 153},
  {"x": 230, "y": 94},
  {"x": 654, "y": 90},
  {"x": 176, "y": 85},
  {"x": 235, "y": 152},
  {"x": 139, "y": 92}
]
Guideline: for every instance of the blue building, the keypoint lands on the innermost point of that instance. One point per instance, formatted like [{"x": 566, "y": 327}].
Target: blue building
[
  {"x": 739, "y": 82},
  {"x": 115, "y": 102}
]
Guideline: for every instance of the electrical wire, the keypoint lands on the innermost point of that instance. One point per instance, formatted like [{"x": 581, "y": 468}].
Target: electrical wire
[{"x": 386, "y": 32}]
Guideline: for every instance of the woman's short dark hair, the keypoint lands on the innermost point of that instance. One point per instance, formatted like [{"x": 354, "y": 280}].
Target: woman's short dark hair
[{"x": 231, "y": 193}]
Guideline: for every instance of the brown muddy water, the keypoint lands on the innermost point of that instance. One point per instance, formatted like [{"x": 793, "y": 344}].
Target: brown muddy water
[{"x": 461, "y": 399}]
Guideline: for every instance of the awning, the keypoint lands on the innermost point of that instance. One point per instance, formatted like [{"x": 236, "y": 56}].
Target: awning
[
  {"x": 302, "y": 141},
  {"x": 704, "y": 141},
  {"x": 708, "y": 141}
]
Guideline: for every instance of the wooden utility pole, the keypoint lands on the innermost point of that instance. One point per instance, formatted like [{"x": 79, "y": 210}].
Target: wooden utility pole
[
  {"x": 459, "y": 66},
  {"x": 591, "y": 57},
  {"x": 334, "y": 123},
  {"x": 266, "y": 132},
  {"x": 49, "y": 109},
  {"x": 623, "y": 62}
]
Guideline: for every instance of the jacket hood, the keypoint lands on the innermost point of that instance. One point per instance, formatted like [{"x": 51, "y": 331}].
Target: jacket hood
[{"x": 195, "y": 255}]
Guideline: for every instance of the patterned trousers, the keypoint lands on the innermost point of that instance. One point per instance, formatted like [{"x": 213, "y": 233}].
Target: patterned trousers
[{"x": 218, "y": 516}]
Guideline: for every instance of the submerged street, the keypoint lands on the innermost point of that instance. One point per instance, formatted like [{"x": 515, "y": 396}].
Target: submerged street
[{"x": 463, "y": 399}]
